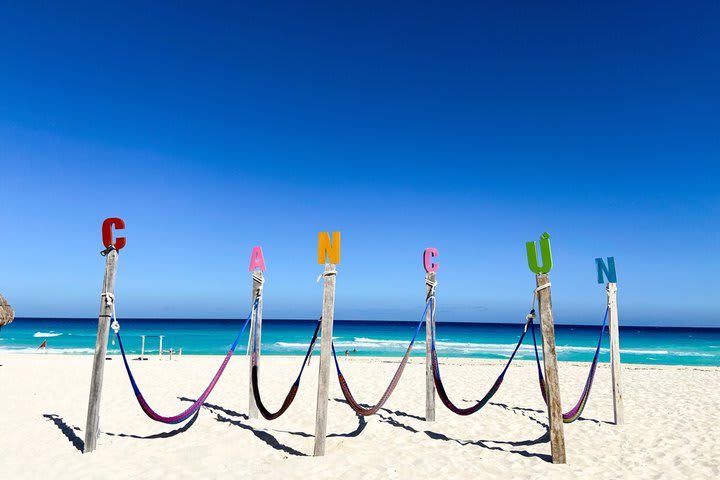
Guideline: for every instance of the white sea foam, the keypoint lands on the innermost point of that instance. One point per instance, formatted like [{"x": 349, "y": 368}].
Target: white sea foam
[
  {"x": 499, "y": 349},
  {"x": 46, "y": 334},
  {"x": 635, "y": 351},
  {"x": 41, "y": 351}
]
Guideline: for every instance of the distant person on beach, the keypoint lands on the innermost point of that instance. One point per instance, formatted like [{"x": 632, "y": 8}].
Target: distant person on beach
[{"x": 347, "y": 353}]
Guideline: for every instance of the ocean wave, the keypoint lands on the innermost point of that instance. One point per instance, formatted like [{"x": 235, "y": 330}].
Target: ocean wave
[
  {"x": 291, "y": 345},
  {"x": 35, "y": 350},
  {"x": 635, "y": 351},
  {"x": 497, "y": 349},
  {"x": 693, "y": 354},
  {"x": 46, "y": 334},
  {"x": 399, "y": 345}
]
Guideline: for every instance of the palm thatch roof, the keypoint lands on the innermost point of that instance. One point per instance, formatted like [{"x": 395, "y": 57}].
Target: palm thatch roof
[{"x": 7, "y": 315}]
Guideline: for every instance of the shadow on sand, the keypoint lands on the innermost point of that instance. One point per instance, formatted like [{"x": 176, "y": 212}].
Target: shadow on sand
[{"x": 70, "y": 431}]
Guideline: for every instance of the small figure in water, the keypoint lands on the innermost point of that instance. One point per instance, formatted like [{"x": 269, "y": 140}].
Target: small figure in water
[{"x": 347, "y": 353}]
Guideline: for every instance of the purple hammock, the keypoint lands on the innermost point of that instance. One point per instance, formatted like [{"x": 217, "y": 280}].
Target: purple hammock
[
  {"x": 577, "y": 410},
  {"x": 493, "y": 390},
  {"x": 367, "y": 411},
  {"x": 187, "y": 413}
]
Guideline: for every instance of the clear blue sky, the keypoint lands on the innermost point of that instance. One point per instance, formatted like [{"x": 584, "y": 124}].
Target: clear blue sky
[{"x": 471, "y": 127}]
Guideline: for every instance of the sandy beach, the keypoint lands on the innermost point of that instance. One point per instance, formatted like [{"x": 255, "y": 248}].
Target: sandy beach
[{"x": 670, "y": 428}]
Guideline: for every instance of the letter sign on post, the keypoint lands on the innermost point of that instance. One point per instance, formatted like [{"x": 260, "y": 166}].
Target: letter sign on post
[
  {"x": 545, "y": 252},
  {"x": 328, "y": 250},
  {"x": 428, "y": 256},
  {"x": 107, "y": 233},
  {"x": 607, "y": 270},
  {"x": 257, "y": 260}
]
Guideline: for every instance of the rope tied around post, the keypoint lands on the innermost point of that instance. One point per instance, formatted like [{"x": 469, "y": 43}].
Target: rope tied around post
[
  {"x": 110, "y": 302},
  {"x": 433, "y": 286},
  {"x": 326, "y": 273},
  {"x": 535, "y": 296},
  {"x": 258, "y": 277}
]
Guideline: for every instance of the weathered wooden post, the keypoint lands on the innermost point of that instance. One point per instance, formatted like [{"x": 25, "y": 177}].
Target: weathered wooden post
[
  {"x": 430, "y": 284},
  {"x": 92, "y": 426},
  {"x": 608, "y": 271},
  {"x": 257, "y": 267},
  {"x": 615, "y": 354},
  {"x": 547, "y": 327},
  {"x": 255, "y": 335},
  {"x": 332, "y": 250}
]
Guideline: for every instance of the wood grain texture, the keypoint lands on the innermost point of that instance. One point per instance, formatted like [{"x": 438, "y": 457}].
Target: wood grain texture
[
  {"x": 547, "y": 326},
  {"x": 92, "y": 426},
  {"x": 328, "y": 314},
  {"x": 255, "y": 336},
  {"x": 615, "y": 366},
  {"x": 430, "y": 279}
]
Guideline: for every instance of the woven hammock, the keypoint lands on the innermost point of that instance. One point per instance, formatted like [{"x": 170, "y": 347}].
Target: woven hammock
[
  {"x": 482, "y": 402},
  {"x": 577, "y": 410},
  {"x": 290, "y": 397},
  {"x": 187, "y": 413},
  {"x": 367, "y": 411}
]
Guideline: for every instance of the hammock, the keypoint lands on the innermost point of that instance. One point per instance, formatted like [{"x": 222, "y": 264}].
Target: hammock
[
  {"x": 393, "y": 383},
  {"x": 577, "y": 410},
  {"x": 493, "y": 390},
  {"x": 293, "y": 389},
  {"x": 185, "y": 414}
]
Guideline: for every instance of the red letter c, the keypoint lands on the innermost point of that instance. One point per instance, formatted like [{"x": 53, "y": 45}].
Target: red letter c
[{"x": 107, "y": 232}]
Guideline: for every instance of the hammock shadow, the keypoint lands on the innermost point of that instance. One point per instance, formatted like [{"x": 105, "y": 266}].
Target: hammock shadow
[
  {"x": 524, "y": 409},
  {"x": 403, "y": 414},
  {"x": 525, "y": 412},
  {"x": 544, "y": 438},
  {"x": 79, "y": 443},
  {"x": 260, "y": 434},
  {"x": 362, "y": 423},
  {"x": 213, "y": 406}
]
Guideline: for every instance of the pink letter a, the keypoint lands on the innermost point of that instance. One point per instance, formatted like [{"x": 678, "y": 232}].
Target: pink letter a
[{"x": 257, "y": 260}]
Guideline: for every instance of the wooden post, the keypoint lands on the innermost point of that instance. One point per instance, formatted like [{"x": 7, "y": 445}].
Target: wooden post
[
  {"x": 328, "y": 314},
  {"x": 429, "y": 331},
  {"x": 92, "y": 426},
  {"x": 142, "y": 347},
  {"x": 160, "y": 348},
  {"x": 615, "y": 353},
  {"x": 547, "y": 326},
  {"x": 255, "y": 336}
]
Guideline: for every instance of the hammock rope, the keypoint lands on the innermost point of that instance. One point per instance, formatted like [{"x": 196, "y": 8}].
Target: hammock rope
[
  {"x": 290, "y": 397},
  {"x": 367, "y": 411},
  {"x": 577, "y": 410},
  {"x": 442, "y": 393},
  {"x": 187, "y": 413}
]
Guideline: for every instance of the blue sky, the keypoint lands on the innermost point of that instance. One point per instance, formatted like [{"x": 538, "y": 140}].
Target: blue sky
[{"x": 471, "y": 127}]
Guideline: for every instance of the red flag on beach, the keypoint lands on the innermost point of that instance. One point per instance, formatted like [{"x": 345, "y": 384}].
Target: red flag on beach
[{"x": 43, "y": 344}]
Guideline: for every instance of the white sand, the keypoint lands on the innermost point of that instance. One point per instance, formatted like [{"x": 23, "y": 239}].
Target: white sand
[{"x": 671, "y": 430}]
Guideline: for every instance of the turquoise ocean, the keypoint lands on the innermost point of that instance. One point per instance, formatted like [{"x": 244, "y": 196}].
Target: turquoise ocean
[{"x": 646, "y": 345}]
